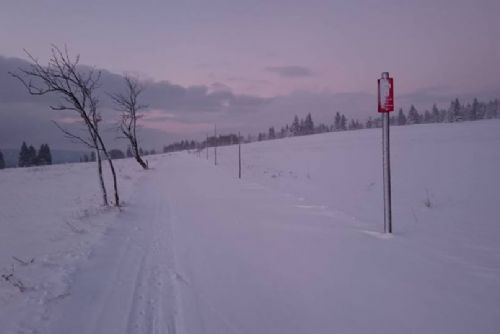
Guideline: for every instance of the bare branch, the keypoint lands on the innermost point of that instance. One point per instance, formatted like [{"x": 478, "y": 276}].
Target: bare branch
[
  {"x": 76, "y": 88},
  {"x": 129, "y": 107},
  {"x": 72, "y": 136}
]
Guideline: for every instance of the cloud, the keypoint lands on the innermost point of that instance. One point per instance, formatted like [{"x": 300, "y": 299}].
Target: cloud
[
  {"x": 220, "y": 87},
  {"x": 177, "y": 112},
  {"x": 206, "y": 65},
  {"x": 248, "y": 80},
  {"x": 158, "y": 94},
  {"x": 23, "y": 115},
  {"x": 290, "y": 71}
]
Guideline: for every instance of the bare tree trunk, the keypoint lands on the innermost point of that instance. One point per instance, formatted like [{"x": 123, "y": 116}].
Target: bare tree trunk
[
  {"x": 101, "y": 179},
  {"x": 115, "y": 183},
  {"x": 112, "y": 167},
  {"x": 137, "y": 155}
]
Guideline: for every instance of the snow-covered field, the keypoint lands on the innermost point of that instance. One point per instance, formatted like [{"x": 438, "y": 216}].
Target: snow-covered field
[{"x": 293, "y": 247}]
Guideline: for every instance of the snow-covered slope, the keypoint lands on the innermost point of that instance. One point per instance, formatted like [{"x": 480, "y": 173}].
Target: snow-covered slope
[
  {"x": 445, "y": 178},
  {"x": 293, "y": 247}
]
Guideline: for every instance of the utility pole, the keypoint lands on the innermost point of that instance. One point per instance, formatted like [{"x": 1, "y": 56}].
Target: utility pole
[
  {"x": 215, "y": 145},
  {"x": 239, "y": 156}
]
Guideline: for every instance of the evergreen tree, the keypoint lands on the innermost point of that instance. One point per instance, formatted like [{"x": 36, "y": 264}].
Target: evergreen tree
[
  {"x": 44, "y": 156},
  {"x": 39, "y": 156},
  {"x": 413, "y": 116},
  {"x": 436, "y": 116},
  {"x": 492, "y": 109},
  {"x": 2, "y": 161},
  {"x": 282, "y": 133},
  {"x": 322, "y": 128},
  {"x": 427, "y": 117},
  {"x": 352, "y": 125},
  {"x": 48, "y": 154},
  {"x": 343, "y": 123},
  {"x": 443, "y": 115},
  {"x": 295, "y": 127},
  {"x": 32, "y": 158},
  {"x": 116, "y": 154},
  {"x": 23, "y": 160},
  {"x": 454, "y": 112},
  {"x": 308, "y": 125},
  {"x": 272, "y": 134},
  {"x": 474, "y": 111},
  {"x": 337, "y": 124}
]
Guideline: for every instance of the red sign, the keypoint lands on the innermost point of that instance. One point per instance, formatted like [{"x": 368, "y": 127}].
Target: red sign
[{"x": 385, "y": 94}]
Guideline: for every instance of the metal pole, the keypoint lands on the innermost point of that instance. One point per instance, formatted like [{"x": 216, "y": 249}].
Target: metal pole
[
  {"x": 387, "y": 174},
  {"x": 239, "y": 156},
  {"x": 215, "y": 145}
]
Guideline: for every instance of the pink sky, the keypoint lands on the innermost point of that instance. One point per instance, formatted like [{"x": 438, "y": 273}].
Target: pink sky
[
  {"x": 343, "y": 44},
  {"x": 308, "y": 56}
]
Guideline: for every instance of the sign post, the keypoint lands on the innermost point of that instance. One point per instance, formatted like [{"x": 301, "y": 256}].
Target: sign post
[{"x": 385, "y": 106}]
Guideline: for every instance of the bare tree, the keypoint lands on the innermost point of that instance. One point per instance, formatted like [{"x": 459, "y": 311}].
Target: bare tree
[
  {"x": 129, "y": 106},
  {"x": 77, "y": 92}
]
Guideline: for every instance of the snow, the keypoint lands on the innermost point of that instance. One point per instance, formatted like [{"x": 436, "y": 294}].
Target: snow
[{"x": 294, "y": 247}]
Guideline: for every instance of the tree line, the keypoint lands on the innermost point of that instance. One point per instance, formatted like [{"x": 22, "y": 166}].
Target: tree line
[
  {"x": 117, "y": 154},
  {"x": 219, "y": 140},
  {"x": 456, "y": 112},
  {"x": 2, "y": 161},
  {"x": 28, "y": 156}
]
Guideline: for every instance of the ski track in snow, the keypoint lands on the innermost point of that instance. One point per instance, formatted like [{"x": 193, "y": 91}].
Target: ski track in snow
[{"x": 133, "y": 267}]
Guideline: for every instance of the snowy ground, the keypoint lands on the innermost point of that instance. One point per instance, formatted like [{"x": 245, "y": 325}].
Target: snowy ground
[{"x": 294, "y": 247}]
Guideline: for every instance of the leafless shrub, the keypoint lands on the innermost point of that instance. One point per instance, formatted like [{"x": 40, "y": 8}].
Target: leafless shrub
[
  {"x": 24, "y": 263},
  {"x": 15, "y": 281}
]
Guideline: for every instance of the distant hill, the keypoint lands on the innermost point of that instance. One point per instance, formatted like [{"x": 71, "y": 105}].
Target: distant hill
[{"x": 58, "y": 156}]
